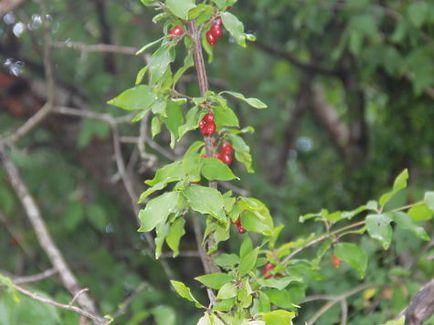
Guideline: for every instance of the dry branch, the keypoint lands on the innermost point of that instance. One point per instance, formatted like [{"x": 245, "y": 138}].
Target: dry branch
[{"x": 43, "y": 236}]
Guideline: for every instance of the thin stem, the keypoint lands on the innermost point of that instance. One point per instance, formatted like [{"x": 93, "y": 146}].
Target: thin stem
[
  {"x": 207, "y": 261},
  {"x": 321, "y": 238}
]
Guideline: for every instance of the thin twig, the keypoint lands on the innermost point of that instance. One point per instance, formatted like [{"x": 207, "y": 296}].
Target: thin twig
[
  {"x": 123, "y": 305},
  {"x": 332, "y": 300},
  {"x": 98, "y": 48},
  {"x": 321, "y": 238},
  {"x": 35, "y": 296},
  {"x": 35, "y": 278}
]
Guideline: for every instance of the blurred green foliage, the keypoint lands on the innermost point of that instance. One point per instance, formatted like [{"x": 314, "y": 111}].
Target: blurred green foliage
[{"x": 385, "y": 48}]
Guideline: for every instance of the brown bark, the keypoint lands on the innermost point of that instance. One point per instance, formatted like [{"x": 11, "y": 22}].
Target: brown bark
[{"x": 422, "y": 306}]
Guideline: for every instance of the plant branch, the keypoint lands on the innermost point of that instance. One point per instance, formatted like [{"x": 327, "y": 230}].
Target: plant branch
[
  {"x": 332, "y": 300},
  {"x": 35, "y": 296},
  {"x": 44, "y": 238},
  {"x": 321, "y": 238},
  {"x": 36, "y": 277}
]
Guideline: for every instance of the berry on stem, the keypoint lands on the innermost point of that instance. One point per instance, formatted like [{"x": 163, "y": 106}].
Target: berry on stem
[
  {"x": 209, "y": 117},
  {"x": 227, "y": 148},
  {"x": 241, "y": 229},
  {"x": 176, "y": 31},
  {"x": 267, "y": 270},
  {"x": 218, "y": 21},
  {"x": 212, "y": 40},
  {"x": 217, "y": 31},
  {"x": 227, "y": 159},
  {"x": 336, "y": 261}
]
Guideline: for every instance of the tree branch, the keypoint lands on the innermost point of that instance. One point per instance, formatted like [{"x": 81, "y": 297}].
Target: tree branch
[
  {"x": 421, "y": 307},
  {"x": 43, "y": 236}
]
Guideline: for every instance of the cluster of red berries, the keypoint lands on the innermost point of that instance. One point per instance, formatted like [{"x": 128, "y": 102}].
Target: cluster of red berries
[
  {"x": 225, "y": 155},
  {"x": 240, "y": 227},
  {"x": 207, "y": 125},
  {"x": 215, "y": 32},
  {"x": 336, "y": 261},
  {"x": 176, "y": 31},
  {"x": 266, "y": 271}
]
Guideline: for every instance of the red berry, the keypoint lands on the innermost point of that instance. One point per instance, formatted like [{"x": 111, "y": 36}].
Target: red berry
[
  {"x": 218, "y": 21},
  {"x": 241, "y": 229},
  {"x": 267, "y": 270},
  {"x": 218, "y": 156},
  {"x": 208, "y": 129},
  {"x": 212, "y": 40},
  {"x": 217, "y": 31},
  {"x": 227, "y": 148},
  {"x": 176, "y": 31},
  {"x": 227, "y": 159},
  {"x": 203, "y": 124},
  {"x": 336, "y": 261},
  {"x": 209, "y": 117}
]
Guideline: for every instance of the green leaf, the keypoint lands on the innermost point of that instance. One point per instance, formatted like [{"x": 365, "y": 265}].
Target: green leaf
[
  {"x": 379, "y": 228},
  {"x": 278, "y": 283},
  {"x": 188, "y": 63},
  {"x": 162, "y": 230},
  {"x": 278, "y": 317},
  {"x": 185, "y": 292},
  {"x": 192, "y": 119},
  {"x": 254, "y": 102},
  {"x": 157, "y": 211},
  {"x": 248, "y": 262},
  {"x": 174, "y": 120},
  {"x": 399, "y": 184},
  {"x": 246, "y": 246},
  {"x": 405, "y": 222},
  {"x": 175, "y": 234},
  {"x": 242, "y": 151},
  {"x": 420, "y": 212},
  {"x": 400, "y": 321},
  {"x": 180, "y": 8},
  {"x": 353, "y": 255},
  {"x": 225, "y": 117},
  {"x": 164, "y": 315},
  {"x": 155, "y": 126},
  {"x": 214, "y": 169},
  {"x": 234, "y": 27},
  {"x": 418, "y": 12},
  {"x": 227, "y": 291},
  {"x": 429, "y": 200},
  {"x": 159, "y": 63},
  {"x": 227, "y": 260},
  {"x": 205, "y": 200},
  {"x": 170, "y": 173},
  {"x": 214, "y": 280},
  {"x": 147, "y": 46},
  {"x": 279, "y": 298},
  {"x": 136, "y": 98},
  {"x": 141, "y": 75},
  {"x": 205, "y": 320}
]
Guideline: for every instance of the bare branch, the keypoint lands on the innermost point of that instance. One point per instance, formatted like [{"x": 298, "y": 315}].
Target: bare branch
[
  {"x": 35, "y": 278},
  {"x": 98, "y": 48},
  {"x": 35, "y": 296},
  {"x": 333, "y": 300},
  {"x": 41, "y": 231},
  {"x": 421, "y": 307}
]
